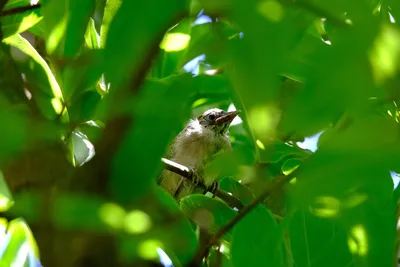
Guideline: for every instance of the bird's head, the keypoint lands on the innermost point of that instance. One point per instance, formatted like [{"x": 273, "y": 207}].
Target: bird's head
[{"x": 217, "y": 119}]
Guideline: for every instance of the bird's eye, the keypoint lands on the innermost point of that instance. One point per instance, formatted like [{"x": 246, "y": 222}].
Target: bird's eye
[{"x": 211, "y": 117}]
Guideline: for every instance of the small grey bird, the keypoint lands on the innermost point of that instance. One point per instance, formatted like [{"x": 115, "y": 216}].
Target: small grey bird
[{"x": 194, "y": 147}]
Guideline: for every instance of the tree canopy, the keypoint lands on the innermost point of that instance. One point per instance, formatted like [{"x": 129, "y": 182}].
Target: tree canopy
[{"x": 93, "y": 92}]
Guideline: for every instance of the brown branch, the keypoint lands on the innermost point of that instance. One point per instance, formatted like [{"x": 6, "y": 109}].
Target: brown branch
[
  {"x": 188, "y": 173},
  {"x": 276, "y": 183},
  {"x": 17, "y": 10}
]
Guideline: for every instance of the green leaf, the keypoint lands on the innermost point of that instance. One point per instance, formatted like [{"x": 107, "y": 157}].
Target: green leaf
[
  {"x": 237, "y": 189},
  {"x": 124, "y": 54},
  {"x": 146, "y": 143},
  {"x": 56, "y": 16},
  {"x": 207, "y": 212},
  {"x": 51, "y": 88},
  {"x": 21, "y": 242},
  {"x": 79, "y": 15},
  {"x": 19, "y": 22},
  {"x": 173, "y": 48},
  {"x": 79, "y": 211},
  {"x": 257, "y": 240},
  {"x": 92, "y": 38},
  {"x": 15, "y": 134},
  {"x": 313, "y": 239},
  {"x": 110, "y": 10},
  {"x": 278, "y": 151},
  {"x": 84, "y": 106},
  {"x": 6, "y": 199},
  {"x": 83, "y": 148},
  {"x": 215, "y": 257},
  {"x": 290, "y": 165}
]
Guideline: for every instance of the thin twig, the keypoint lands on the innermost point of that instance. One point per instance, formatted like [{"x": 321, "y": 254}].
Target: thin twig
[
  {"x": 276, "y": 183},
  {"x": 19, "y": 10},
  {"x": 188, "y": 173}
]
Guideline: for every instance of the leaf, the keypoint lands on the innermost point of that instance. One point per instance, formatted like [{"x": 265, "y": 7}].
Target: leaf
[
  {"x": 84, "y": 106},
  {"x": 51, "y": 87},
  {"x": 15, "y": 134},
  {"x": 79, "y": 211},
  {"x": 81, "y": 80},
  {"x": 6, "y": 199},
  {"x": 56, "y": 16},
  {"x": 110, "y": 10},
  {"x": 124, "y": 54},
  {"x": 312, "y": 239},
  {"x": 173, "y": 48},
  {"x": 257, "y": 240},
  {"x": 20, "y": 22},
  {"x": 290, "y": 165},
  {"x": 237, "y": 189},
  {"x": 92, "y": 38},
  {"x": 213, "y": 259},
  {"x": 79, "y": 15},
  {"x": 145, "y": 144},
  {"x": 21, "y": 245},
  {"x": 83, "y": 148},
  {"x": 207, "y": 212},
  {"x": 278, "y": 151}
]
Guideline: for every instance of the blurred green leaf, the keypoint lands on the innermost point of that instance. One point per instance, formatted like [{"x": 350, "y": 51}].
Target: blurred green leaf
[
  {"x": 137, "y": 162},
  {"x": 122, "y": 48},
  {"x": 6, "y": 199},
  {"x": 257, "y": 239},
  {"x": 19, "y": 22},
  {"x": 56, "y": 15},
  {"x": 278, "y": 151},
  {"x": 209, "y": 213},
  {"x": 53, "y": 96},
  {"x": 110, "y": 10},
  {"x": 217, "y": 258},
  {"x": 290, "y": 165},
  {"x": 237, "y": 189},
  {"x": 314, "y": 239},
  {"x": 79, "y": 15},
  {"x": 14, "y": 134},
  {"x": 21, "y": 244},
  {"x": 78, "y": 211}
]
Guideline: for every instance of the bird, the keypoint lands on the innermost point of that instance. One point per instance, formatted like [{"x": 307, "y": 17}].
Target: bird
[{"x": 194, "y": 147}]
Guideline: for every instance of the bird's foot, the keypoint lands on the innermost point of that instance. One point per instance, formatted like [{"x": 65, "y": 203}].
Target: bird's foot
[
  {"x": 213, "y": 188},
  {"x": 196, "y": 179}
]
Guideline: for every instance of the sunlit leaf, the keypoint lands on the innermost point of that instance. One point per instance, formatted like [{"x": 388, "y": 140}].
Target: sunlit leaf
[
  {"x": 19, "y": 22},
  {"x": 92, "y": 38},
  {"x": 6, "y": 200},
  {"x": 122, "y": 48},
  {"x": 20, "y": 245},
  {"x": 110, "y": 9},
  {"x": 56, "y": 98}
]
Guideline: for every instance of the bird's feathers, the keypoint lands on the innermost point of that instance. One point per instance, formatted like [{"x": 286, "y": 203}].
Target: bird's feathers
[{"x": 194, "y": 147}]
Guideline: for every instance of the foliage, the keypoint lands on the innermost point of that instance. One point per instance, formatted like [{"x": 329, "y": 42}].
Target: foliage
[{"x": 92, "y": 93}]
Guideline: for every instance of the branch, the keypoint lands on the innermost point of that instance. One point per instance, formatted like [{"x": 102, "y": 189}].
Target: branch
[
  {"x": 276, "y": 183},
  {"x": 188, "y": 173},
  {"x": 19, "y": 10}
]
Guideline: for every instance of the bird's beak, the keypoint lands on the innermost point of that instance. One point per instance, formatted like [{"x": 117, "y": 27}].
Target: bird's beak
[{"x": 227, "y": 118}]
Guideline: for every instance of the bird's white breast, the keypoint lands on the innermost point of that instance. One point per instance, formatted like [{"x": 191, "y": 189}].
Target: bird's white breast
[{"x": 196, "y": 144}]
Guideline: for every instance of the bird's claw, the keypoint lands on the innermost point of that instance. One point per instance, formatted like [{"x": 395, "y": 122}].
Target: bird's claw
[
  {"x": 196, "y": 179},
  {"x": 213, "y": 188}
]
